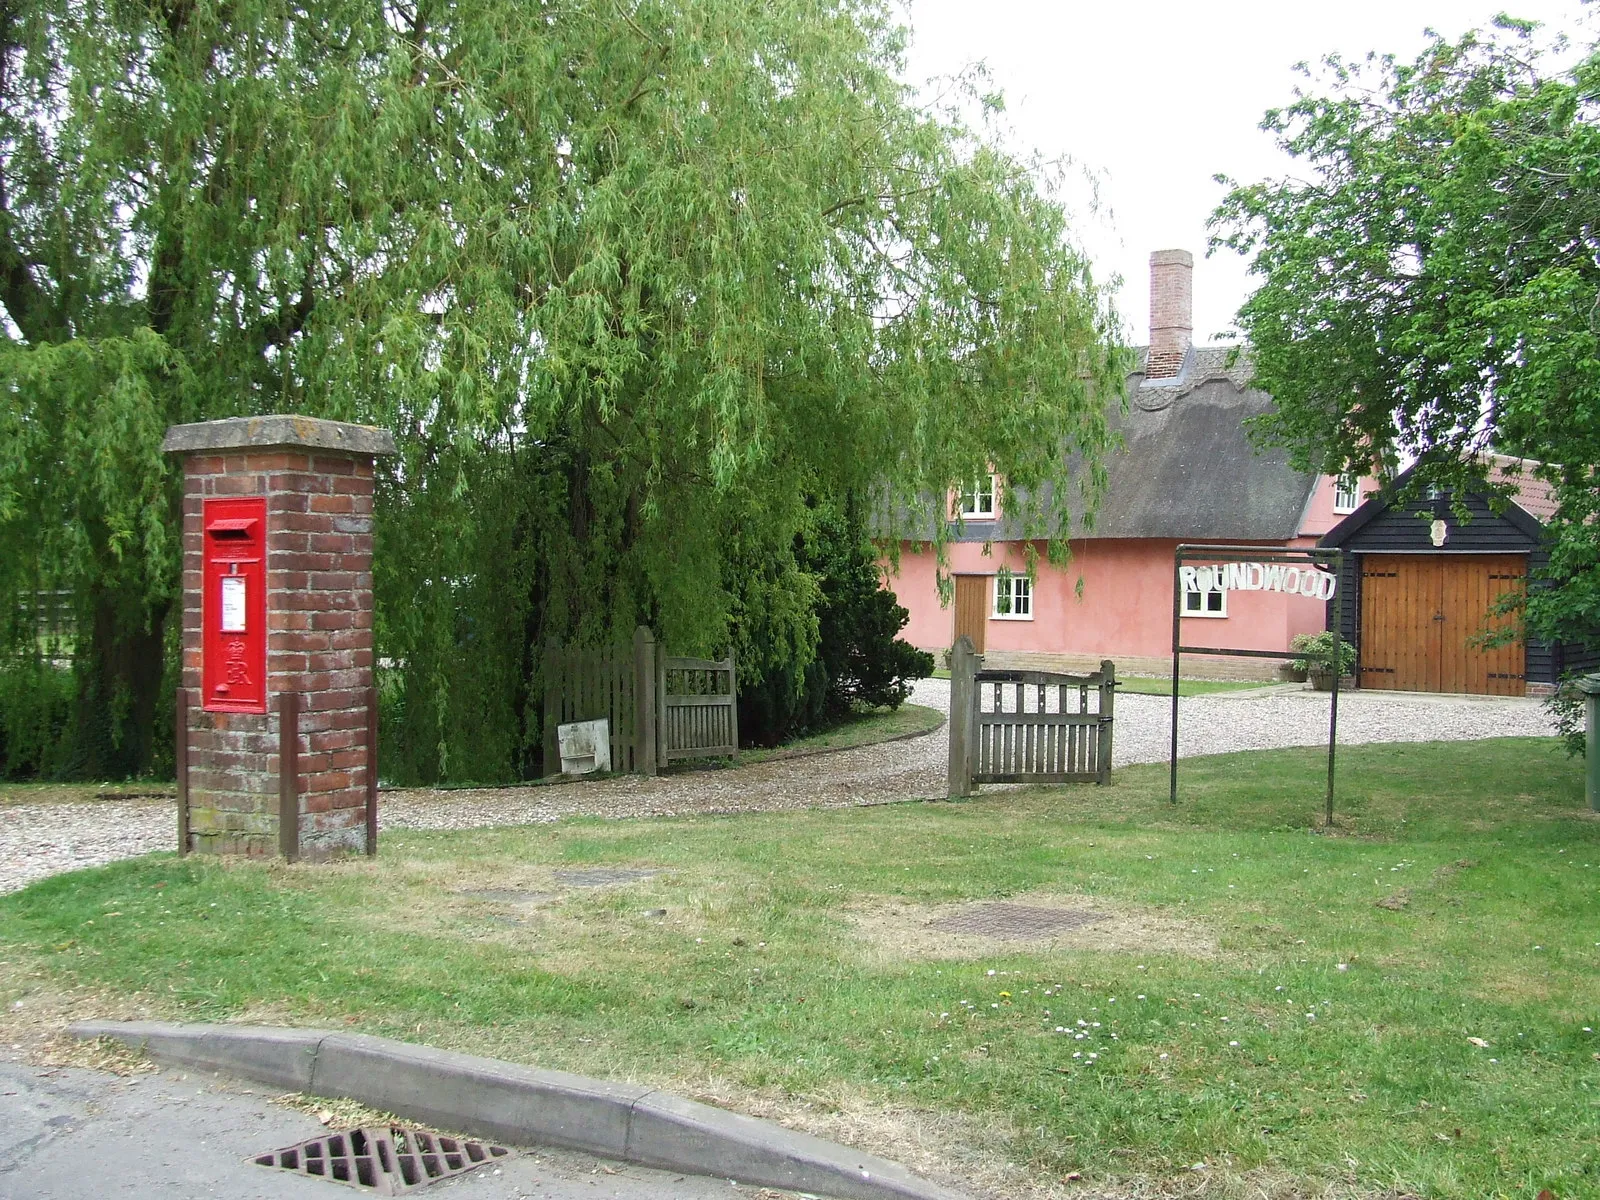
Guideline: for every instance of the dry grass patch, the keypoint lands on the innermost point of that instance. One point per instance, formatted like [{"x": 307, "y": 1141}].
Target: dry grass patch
[{"x": 893, "y": 931}]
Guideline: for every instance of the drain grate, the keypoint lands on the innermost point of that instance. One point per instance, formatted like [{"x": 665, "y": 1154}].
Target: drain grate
[
  {"x": 1016, "y": 922},
  {"x": 594, "y": 877},
  {"x": 387, "y": 1160}
]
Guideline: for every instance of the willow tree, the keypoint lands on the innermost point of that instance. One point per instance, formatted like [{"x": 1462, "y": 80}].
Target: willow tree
[{"x": 633, "y": 283}]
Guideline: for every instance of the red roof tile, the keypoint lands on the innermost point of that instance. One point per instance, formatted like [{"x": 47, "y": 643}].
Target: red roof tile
[{"x": 1533, "y": 496}]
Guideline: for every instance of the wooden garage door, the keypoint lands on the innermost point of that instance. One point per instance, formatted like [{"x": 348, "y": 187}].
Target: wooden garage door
[
  {"x": 972, "y": 609},
  {"x": 1422, "y": 615}
]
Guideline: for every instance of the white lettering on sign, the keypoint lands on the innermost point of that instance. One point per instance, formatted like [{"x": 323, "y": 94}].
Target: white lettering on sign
[
  {"x": 1259, "y": 577},
  {"x": 232, "y": 604}
]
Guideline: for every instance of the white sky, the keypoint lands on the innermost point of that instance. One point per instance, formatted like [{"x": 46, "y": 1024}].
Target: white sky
[{"x": 1158, "y": 96}]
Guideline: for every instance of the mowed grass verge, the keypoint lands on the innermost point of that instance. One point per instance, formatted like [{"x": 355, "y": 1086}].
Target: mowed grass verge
[{"x": 1206, "y": 1020}]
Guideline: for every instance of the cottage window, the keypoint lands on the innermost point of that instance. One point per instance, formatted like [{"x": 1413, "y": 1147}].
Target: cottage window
[
  {"x": 1013, "y": 598},
  {"x": 979, "y": 502},
  {"x": 1211, "y": 602},
  {"x": 1346, "y": 494}
]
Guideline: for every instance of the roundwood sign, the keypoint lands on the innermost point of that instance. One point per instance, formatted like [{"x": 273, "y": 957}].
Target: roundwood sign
[{"x": 1259, "y": 577}]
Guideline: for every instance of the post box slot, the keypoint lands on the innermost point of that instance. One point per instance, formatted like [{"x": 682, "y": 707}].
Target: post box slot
[{"x": 233, "y": 649}]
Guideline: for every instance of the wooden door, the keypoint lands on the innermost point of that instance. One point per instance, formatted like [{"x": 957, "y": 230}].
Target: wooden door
[
  {"x": 1422, "y": 616},
  {"x": 1470, "y": 588},
  {"x": 972, "y": 609}
]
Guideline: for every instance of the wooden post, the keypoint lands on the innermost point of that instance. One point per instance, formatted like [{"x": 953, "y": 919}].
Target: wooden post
[
  {"x": 372, "y": 771},
  {"x": 644, "y": 700},
  {"x": 1589, "y": 685},
  {"x": 963, "y": 668},
  {"x": 1108, "y": 712},
  {"x": 289, "y": 775},
  {"x": 733, "y": 708},
  {"x": 661, "y": 707},
  {"x": 554, "y": 682},
  {"x": 181, "y": 760}
]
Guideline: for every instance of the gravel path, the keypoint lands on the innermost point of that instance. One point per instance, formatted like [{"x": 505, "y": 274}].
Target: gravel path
[{"x": 41, "y": 839}]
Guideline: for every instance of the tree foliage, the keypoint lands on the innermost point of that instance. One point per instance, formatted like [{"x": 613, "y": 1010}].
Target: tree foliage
[
  {"x": 1429, "y": 282},
  {"x": 630, "y": 281},
  {"x": 854, "y": 659}
]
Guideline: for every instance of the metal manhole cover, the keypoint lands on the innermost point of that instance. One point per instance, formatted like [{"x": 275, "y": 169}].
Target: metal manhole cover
[
  {"x": 387, "y": 1160},
  {"x": 1016, "y": 922},
  {"x": 593, "y": 877}
]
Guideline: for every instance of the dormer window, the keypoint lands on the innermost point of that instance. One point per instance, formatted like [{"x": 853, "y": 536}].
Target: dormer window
[
  {"x": 1346, "y": 494},
  {"x": 978, "y": 504}
]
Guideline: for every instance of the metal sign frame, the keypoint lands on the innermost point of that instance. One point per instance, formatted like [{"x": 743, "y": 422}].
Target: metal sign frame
[{"x": 1310, "y": 556}]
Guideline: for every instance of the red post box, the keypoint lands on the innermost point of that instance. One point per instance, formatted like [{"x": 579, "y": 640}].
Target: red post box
[{"x": 233, "y": 605}]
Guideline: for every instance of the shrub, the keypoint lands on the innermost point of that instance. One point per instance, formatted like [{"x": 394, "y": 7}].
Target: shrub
[
  {"x": 1566, "y": 707},
  {"x": 1316, "y": 651},
  {"x": 855, "y": 661},
  {"x": 36, "y": 701}
]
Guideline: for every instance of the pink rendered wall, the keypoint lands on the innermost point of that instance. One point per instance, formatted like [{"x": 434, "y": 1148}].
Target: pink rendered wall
[
  {"x": 1319, "y": 516},
  {"x": 1125, "y": 606}
]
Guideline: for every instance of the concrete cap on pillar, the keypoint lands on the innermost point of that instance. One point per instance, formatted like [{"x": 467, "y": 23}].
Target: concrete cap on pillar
[
  {"x": 1589, "y": 685},
  {"x": 279, "y": 431}
]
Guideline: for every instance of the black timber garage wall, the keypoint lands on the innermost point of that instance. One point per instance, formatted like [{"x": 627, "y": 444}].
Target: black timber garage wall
[{"x": 1379, "y": 527}]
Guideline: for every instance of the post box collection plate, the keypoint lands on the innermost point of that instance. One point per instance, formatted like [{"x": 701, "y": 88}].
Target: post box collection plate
[{"x": 233, "y": 605}]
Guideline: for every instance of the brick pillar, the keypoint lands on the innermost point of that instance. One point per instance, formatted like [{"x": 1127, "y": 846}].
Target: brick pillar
[{"x": 316, "y": 478}]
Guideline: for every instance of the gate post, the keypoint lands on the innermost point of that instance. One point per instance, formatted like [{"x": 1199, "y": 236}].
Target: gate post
[
  {"x": 963, "y": 668},
  {"x": 661, "y": 707},
  {"x": 644, "y": 700},
  {"x": 1108, "y": 705},
  {"x": 733, "y": 707}
]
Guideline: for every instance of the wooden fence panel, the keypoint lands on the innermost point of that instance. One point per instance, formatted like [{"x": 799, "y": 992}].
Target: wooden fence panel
[
  {"x": 659, "y": 707},
  {"x": 582, "y": 684}
]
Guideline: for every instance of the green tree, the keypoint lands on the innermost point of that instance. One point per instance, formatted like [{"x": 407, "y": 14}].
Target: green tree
[
  {"x": 1430, "y": 279},
  {"x": 628, "y": 281}
]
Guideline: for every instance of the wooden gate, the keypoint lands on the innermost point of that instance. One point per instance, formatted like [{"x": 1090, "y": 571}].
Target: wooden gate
[
  {"x": 1422, "y": 617},
  {"x": 699, "y": 705},
  {"x": 972, "y": 609},
  {"x": 1028, "y": 726}
]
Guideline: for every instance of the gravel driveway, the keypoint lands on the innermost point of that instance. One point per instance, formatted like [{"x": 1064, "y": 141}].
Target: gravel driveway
[{"x": 41, "y": 839}]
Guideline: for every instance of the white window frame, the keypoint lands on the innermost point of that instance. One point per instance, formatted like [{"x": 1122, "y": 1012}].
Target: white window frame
[
  {"x": 1016, "y": 586},
  {"x": 1346, "y": 494},
  {"x": 1200, "y": 607},
  {"x": 971, "y": 508}
]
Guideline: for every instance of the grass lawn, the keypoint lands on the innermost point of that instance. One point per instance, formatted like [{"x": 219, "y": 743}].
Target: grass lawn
[
  {"x": 861, "y": 729},
  {"x": 1205, "y": 1019},
  {"x": 72, "y": 793},
  {"x": 1143, "y": 685}
]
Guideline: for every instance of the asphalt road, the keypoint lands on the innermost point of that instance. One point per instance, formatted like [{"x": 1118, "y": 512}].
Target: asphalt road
[{"x": 67, "y": 1132}]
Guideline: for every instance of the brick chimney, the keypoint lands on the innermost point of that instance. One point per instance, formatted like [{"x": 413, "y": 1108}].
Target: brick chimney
[{"x": 1171, "y": 312}]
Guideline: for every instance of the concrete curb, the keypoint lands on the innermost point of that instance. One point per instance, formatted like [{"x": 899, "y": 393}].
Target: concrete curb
[{"x": 487, "y": 1098}]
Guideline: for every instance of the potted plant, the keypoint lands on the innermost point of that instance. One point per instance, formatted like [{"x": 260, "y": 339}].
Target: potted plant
[{"x": 1316, "y": 658}]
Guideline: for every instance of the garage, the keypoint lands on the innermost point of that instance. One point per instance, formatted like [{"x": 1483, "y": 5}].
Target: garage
[
  {"x": 1423, "y": 581},
  {"x": 1424, "y": 619}
]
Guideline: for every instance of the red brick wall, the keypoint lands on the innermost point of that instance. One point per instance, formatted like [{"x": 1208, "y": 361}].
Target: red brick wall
[{"x": 319, "y": 644}]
